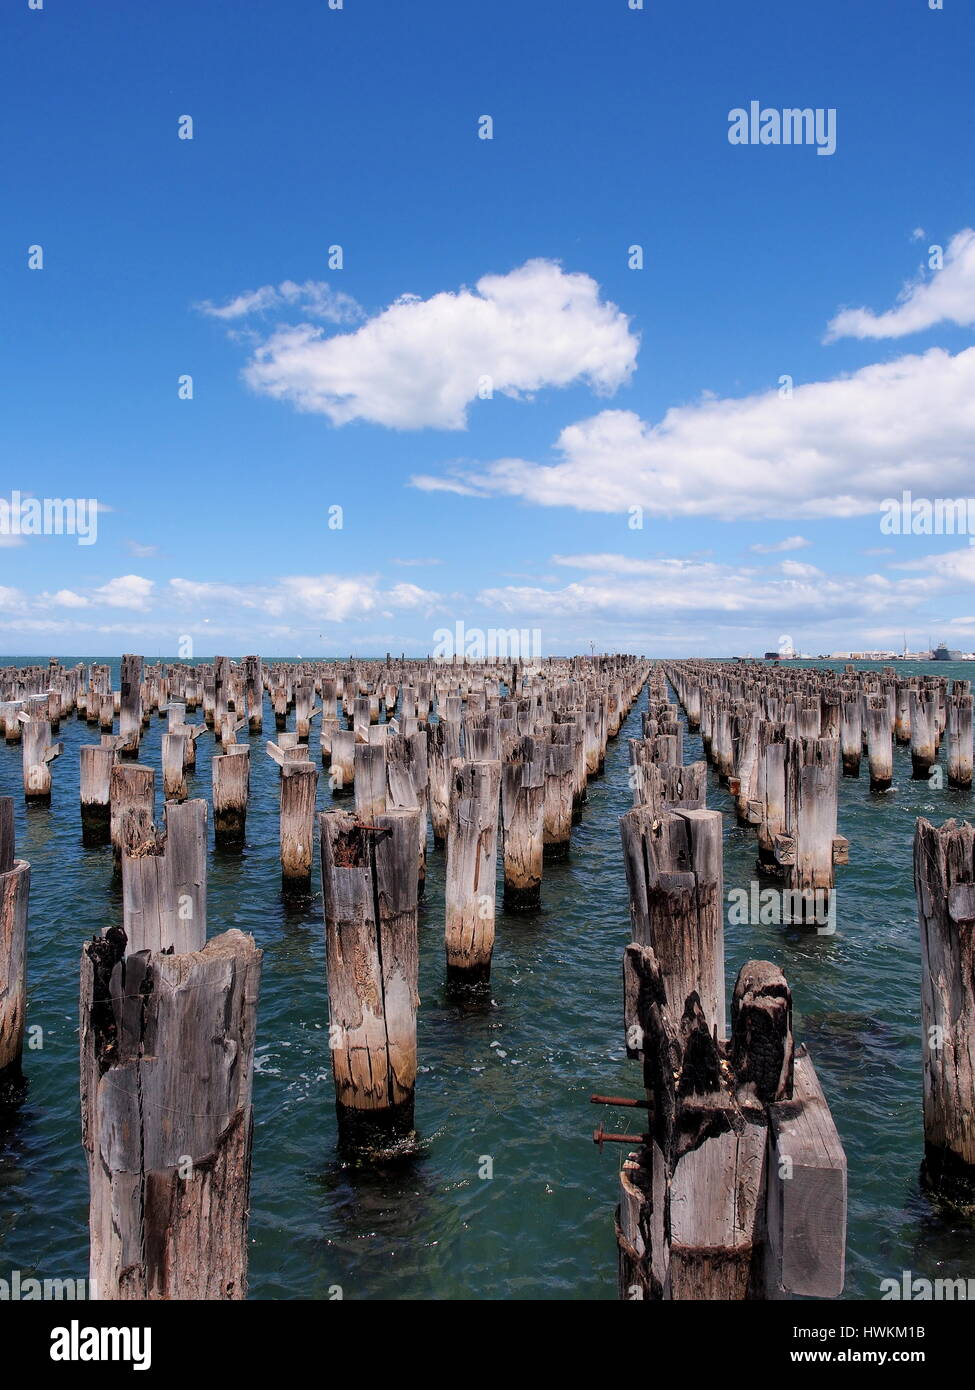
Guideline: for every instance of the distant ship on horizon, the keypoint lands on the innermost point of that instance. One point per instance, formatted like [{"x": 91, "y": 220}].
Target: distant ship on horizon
[{"x": 942, "y": 652}]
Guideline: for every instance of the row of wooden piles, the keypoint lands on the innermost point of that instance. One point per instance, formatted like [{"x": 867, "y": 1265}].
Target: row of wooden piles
[
  {"x": 779, "y": 750},
  {"x": 168, "y": 1017},
  {"x": 738, "y": 1187},
  {"x": 740, "y": 707},
  {"x": 739, "y": 1190}
]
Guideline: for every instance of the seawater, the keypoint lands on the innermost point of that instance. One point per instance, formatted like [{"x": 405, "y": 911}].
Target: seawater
[{"x": 507, "y": 1080}]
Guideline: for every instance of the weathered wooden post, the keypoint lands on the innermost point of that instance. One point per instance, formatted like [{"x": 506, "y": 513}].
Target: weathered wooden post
[
  {"x": 472, "y": 843},
  {"x": 924, "y": 745},
  {"x": 38, "y": 751},
  {"x": 299, "y": 782},
  {"x": 557, "y": 814},
  {"x": 254, "y": 694},
  {"x": 522, "y": 821},
  {"x": 809, "y": 846},
  {"x": 944, "y": 880},
  {"x": 959, "y": 716},
  {"x": 370, "y": 780},
  {"x": 851, "y": 735},
  {"x": 369, "y": 891},
  {"x": 164, "y": 883},
  {"x": 738, "y": 1190},
  {"x": 10, "y": 711},
  {"x": 97, "y": 761},
  {"x": 880, "y": 750},
  {"x": 443, "y": 746},
  {"x": 14, "y": 895},
  {"x": 902, "y": 710},
  {"x": 167, "y": 1053},
  {"x": 342, "y": 772},
  {"x": 130, "y": 709},
  {"x": 406, "y": 781},
  {"x": 231, "y": 772},
  {"x": 674, "y": 871},
  {"x": 173, "y": 765},
  {"x": 132, "y": 795}
]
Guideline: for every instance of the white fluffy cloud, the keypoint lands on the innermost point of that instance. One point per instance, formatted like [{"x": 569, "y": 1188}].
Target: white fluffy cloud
[
  {"x": 833, "y": 449},
  {"x": 421, "y": 362},
  {"x": 127, "y": 591},
  {"x": 948, "y": 296},
  {"x": 67, "y": 598}
]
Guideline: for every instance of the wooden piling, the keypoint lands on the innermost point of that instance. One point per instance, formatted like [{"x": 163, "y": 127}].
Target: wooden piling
[
  {"x": 959, "y": 726},
  {"x": 298, "y": 786},
  {"x": 97, "y": 762},
  {"x": 471, "y": 869},
  {"x": 523, "y": 824},
  {"x": 130, "y": 710},
  {"x": 231, "y": 787},
  {"x": 38, "y": 751},
  {"x": 673, "y": 864},
  {"x": 14, "y": 896},
  {"x": 131, "y": 796},
  {"x": 173, "y": 764},
  {"x": 557, "y": 814},
  {"x": 944, "y": 880},
  {"x": 167, "y": 1052},
  {"x": 923, "y": 737},
  {"x": 369, "y": 892},
  {"x": 880, "y": 752},
  {"x": 164, "y": 883}
]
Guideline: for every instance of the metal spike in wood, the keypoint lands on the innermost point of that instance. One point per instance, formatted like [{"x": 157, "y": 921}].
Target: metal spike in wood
[{"x": 369, "y": 892}]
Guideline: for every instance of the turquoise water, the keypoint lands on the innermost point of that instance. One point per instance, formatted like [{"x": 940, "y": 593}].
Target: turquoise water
[{"x": 509, "y": 1080}]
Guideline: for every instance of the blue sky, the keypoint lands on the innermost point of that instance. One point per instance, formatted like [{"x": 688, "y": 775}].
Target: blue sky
[{"x": 613, "y": 388}]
